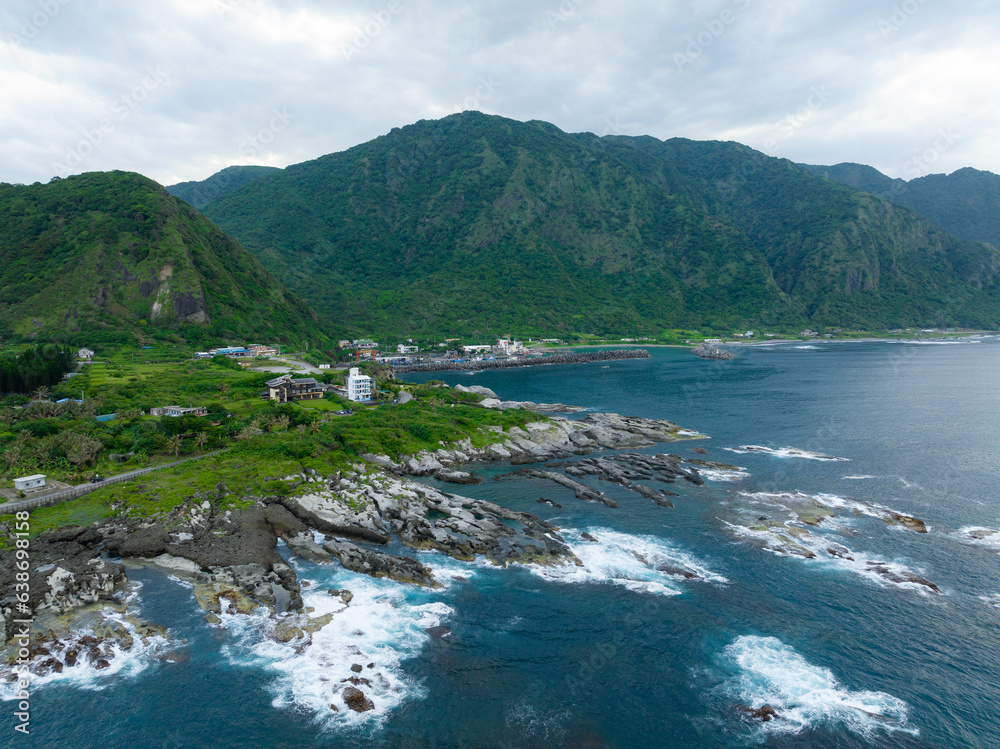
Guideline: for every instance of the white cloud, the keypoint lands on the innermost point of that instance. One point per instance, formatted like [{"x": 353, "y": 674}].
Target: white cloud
[{"x": 895, "y": 75}]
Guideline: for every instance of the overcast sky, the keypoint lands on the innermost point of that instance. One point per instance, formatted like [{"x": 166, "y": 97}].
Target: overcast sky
[{"x": 178, "y": 89}]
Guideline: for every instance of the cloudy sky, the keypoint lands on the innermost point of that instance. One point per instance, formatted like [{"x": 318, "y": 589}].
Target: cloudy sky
[{"x": 178, "y": 89}]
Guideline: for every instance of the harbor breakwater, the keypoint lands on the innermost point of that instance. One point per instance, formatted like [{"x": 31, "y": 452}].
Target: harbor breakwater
[{"x": 581, "y": 358}]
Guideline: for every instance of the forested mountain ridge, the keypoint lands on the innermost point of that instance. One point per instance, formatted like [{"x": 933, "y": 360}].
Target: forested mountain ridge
[
  {"x": 477, "y": 224},
  {"x": 202, "y": 192},
  {"x": 965, "y": 203},
  {"x": 110, "y": 256}
]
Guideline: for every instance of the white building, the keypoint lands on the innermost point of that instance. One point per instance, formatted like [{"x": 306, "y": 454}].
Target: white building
[
  {"x": 510, "y": 347},
  {"x": 85, "y": 353},
  {"x": 324, "y": 366},
  {"x": 359, "y": 386},
  {"x": 404, "y": 349},
  {"x": 475, "y": 349},
  {"x": 29, "y": 482}
]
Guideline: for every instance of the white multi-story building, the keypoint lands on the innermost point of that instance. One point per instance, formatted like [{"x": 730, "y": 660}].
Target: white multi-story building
[
  {"x": 509, "y": 346},
  {"x": 359, "y": 386},
  {"x": 404, "y": 349}
]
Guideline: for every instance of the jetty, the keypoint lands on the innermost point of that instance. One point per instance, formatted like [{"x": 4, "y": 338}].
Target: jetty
[{"x": 534, "y": 361}]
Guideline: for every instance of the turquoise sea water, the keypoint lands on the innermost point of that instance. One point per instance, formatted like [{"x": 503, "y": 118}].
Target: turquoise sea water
[{"x": 619, "y": 653}]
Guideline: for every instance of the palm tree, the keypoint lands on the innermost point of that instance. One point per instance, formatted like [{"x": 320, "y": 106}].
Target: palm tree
[
  {"x": 174, "y": 444},
  {"x": 200, "y": 439},
  {"x": 41, "y": 392}
]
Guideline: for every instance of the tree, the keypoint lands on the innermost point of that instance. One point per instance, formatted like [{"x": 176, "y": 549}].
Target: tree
[
  {"x": 174, "y": 444},
  {"x": 41, "y": 393},
  {"x": 200, "y": 439}
]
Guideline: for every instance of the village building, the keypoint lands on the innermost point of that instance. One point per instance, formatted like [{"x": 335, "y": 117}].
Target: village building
[
  {"x": 29, "y": 483},
  {"x": 262, "y": 352},
  {"x": 404, "y": 349},
  {"x": 284, "y": 389},
  {"x": 182, "y": 411},
  {"x": 359, "y": 386},
  {"x": 85, "y": 353},
  {"x": 365, "y": 344},
  {"x": 476, "y": 349}
]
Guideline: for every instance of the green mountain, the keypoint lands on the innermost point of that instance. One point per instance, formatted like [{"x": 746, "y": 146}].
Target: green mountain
[
  {"x": 111, "y": 257},
  {"x": 965, "y": 203},
  {"x": 199, "y": 194},
  {"x": 476, "y": 223}
]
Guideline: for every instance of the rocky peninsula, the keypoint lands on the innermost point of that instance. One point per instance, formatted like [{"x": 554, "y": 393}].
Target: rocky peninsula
[{"x": 79, "y": 583}]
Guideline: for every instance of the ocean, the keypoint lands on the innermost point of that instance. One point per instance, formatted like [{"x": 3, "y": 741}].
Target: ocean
[{"x": 858, "y": 631}]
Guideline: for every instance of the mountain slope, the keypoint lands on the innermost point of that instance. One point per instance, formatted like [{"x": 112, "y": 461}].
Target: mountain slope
[
  {"x": 111, "y": 256},
  {"x": 480, "y": 223},
  {"x": 965, "y": 203},
  {"x": 201, "y": 193},
  {"x": 852, "y": 259}
]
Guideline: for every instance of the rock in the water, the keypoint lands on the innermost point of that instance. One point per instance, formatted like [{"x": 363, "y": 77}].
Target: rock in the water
[
  {"x": 709, "y": 351},
  {"x": 380, "y": 564},
  {"x": 357, "y": 701},
  {"x": 763, "y": 713},
  {"x": 356, "y": 668},
  {"x": 587, "y": 537},
  {"x": 438, "y": 632},
  {"x": 456, "y": 477}
]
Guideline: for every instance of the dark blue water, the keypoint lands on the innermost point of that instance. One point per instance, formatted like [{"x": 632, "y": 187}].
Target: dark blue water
[{"x": 619, "y": 655}]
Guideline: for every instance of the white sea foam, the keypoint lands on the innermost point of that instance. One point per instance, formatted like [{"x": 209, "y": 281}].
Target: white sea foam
[
  {"x": 988, "y": 538},
  {"x": 788, "y": 500},
  {"x": 645, "y": 564},
  {"x": 858, "y": 478},
  {"x": 690, "y": 433},
  {"x": 806, "y": 348},
  {"x": 783, "y": 452},
  {"x": 879, "y": 571},
  {"x": 713, "y": 474},
  {"x": 384, "y": 625},
  {"x": 805, "y": 696},
  {"x": 123, "y": 664},
  {"x": 993, "y": 600}
]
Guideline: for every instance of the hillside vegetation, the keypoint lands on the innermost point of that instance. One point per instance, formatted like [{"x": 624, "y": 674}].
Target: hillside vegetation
[
  {"x": 965, "y": 203},
  {"x": 111, "y": 257},
  {"x": 476, "y": 224}
]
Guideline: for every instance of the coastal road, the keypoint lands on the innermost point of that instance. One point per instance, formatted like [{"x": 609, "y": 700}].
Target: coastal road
[
  {"x": 78, "y": 491},
  {"x": 404, "y": 397},
  {"x": 306, "y": 367}
]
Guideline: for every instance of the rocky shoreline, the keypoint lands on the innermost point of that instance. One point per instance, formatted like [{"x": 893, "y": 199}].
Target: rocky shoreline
[
  {"x": 231, "y": 558},
  {"x": 478, "y": 366}
]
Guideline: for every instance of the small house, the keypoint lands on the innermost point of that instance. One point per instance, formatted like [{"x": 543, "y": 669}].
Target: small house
[
  {"x": 28, "y": 483},
  {"x": 181, "y": 411},
  {"x": 85, "y": 354},
  {"x": 284, "y": 389}
]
